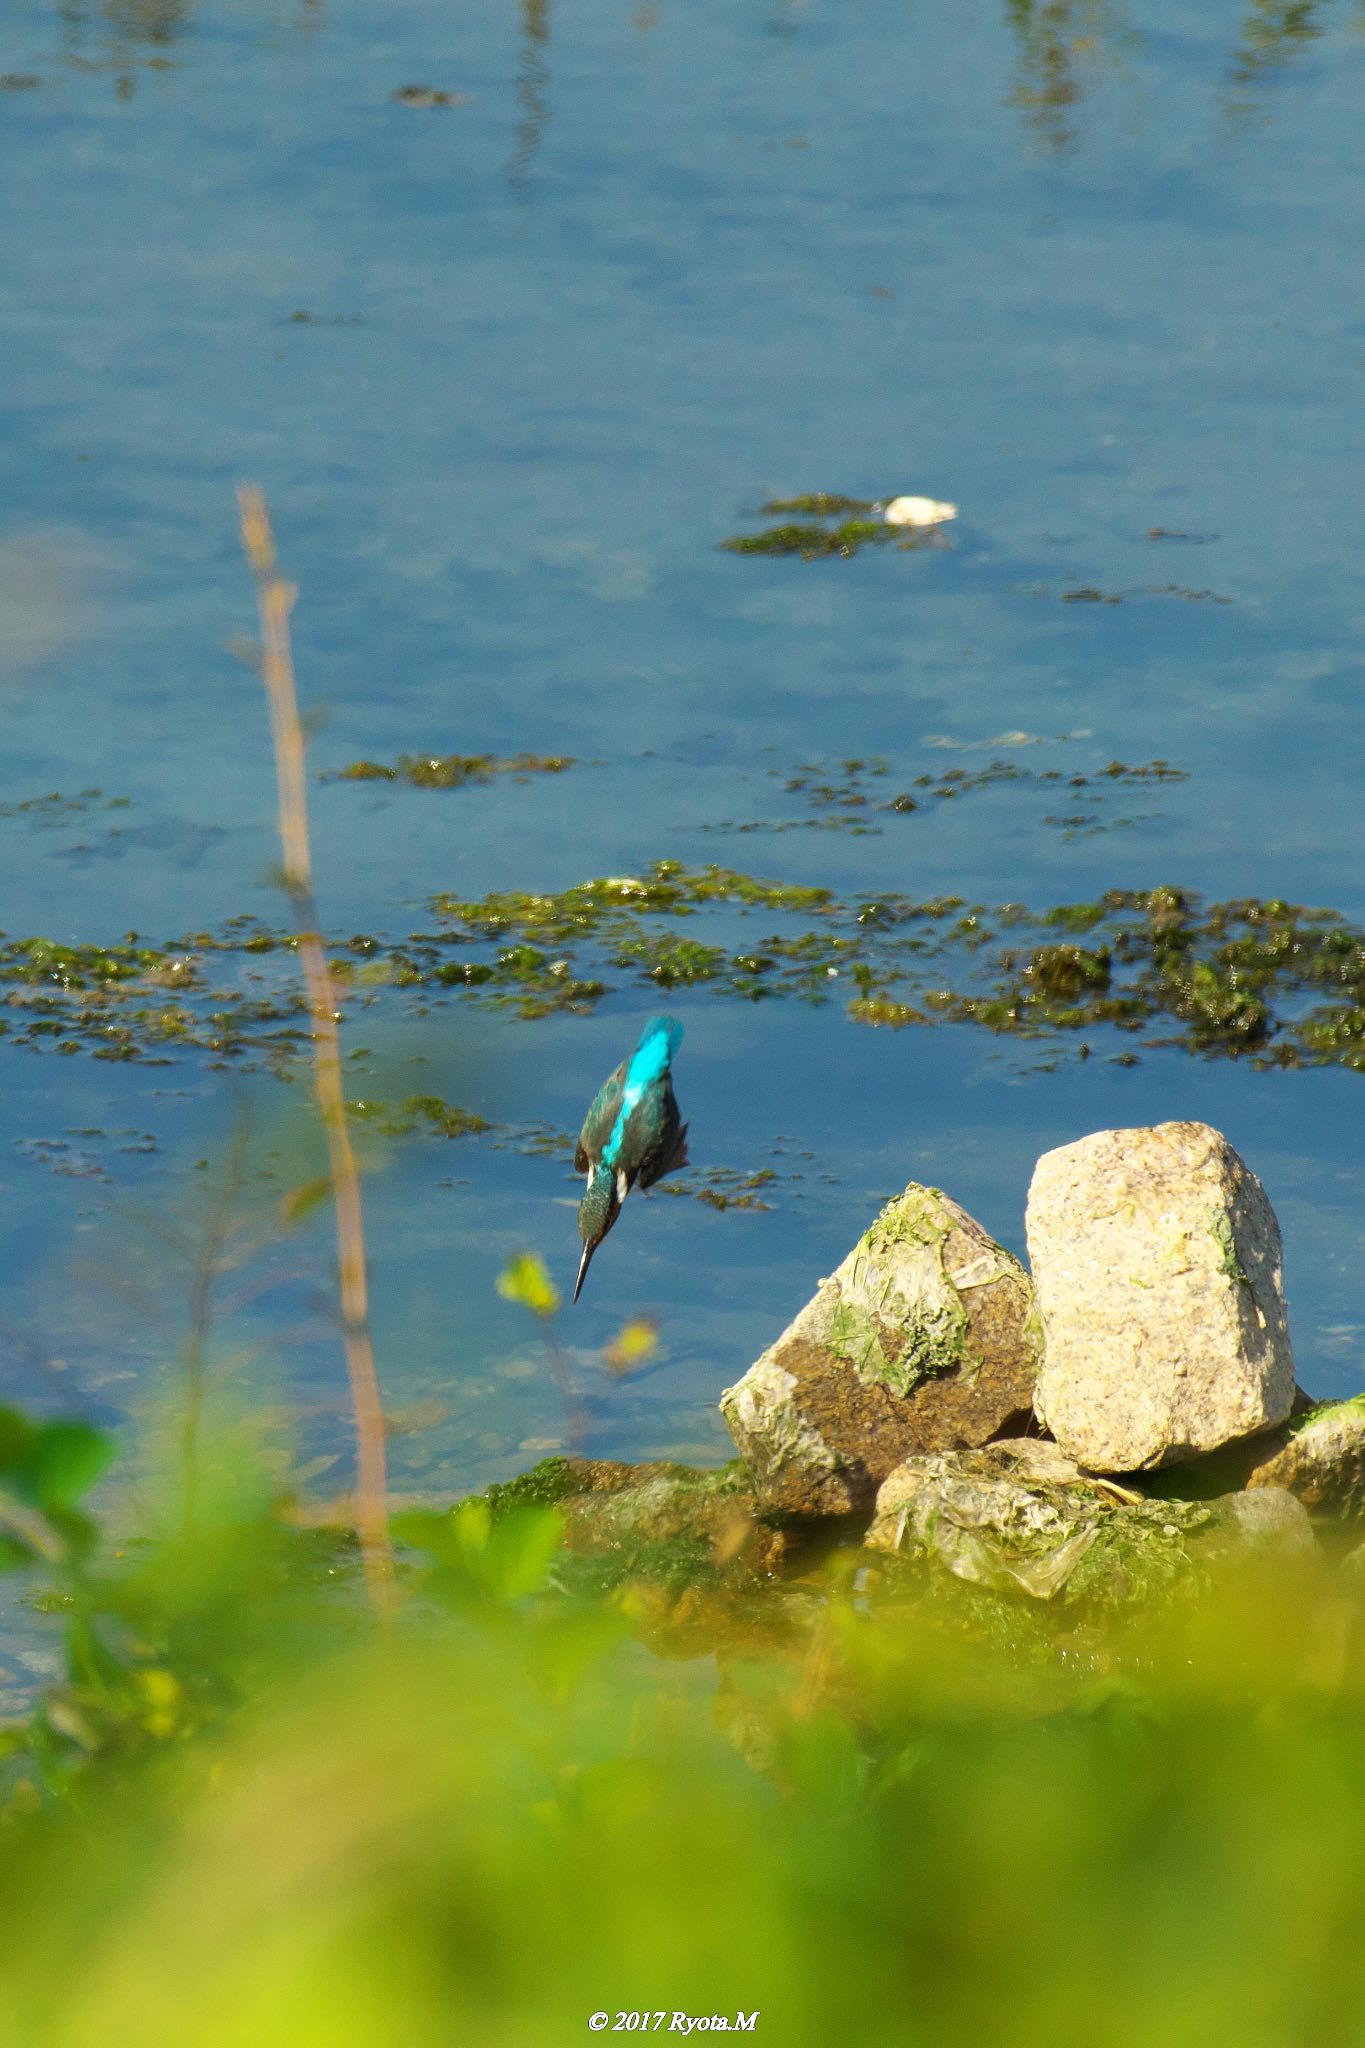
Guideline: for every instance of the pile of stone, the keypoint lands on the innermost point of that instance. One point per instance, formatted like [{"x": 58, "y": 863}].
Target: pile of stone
[{"x": 1129, "y": 1406}]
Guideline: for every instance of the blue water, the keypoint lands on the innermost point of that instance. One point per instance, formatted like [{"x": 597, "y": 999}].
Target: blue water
[{"x": 656, "y": 264}]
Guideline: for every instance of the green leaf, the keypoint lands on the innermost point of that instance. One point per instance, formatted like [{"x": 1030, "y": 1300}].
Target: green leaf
[
  {"x": 571, "y": 1641},
  {"x": 63, "y": 1462},
  {"x": 77, "y": 1531},
  {"x": 431, "y": 1530},
  {"x": 519, "y": 1549},
  {"x": 93, "y": 1667},
  {"x": 471, "y": 1522},
  {"x": 506, "y": 1559},
  {"x": 526, "y": 1279},
  {"x": 16, "y": 1436}
]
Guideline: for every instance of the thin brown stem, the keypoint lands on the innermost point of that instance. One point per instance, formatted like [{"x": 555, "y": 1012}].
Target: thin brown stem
[{"x": 275, "y": 599}]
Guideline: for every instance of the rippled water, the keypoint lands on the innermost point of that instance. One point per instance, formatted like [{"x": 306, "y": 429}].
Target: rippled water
[{"x": 510, "y": 368}]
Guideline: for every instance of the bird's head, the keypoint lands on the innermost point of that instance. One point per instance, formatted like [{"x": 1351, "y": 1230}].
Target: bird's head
[{"x": 598, "y": 1210}]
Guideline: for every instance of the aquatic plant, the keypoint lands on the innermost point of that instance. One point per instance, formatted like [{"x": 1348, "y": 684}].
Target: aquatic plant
[
  {"x": 452, "y": 771},
  {"x": 846, "y": 796},
  {"x": 822, "y": 523},
  {"x": 1274, "y": 982}
]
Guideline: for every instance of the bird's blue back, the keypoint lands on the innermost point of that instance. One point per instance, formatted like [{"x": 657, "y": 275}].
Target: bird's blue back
[{"x": 648, "y": 1064}]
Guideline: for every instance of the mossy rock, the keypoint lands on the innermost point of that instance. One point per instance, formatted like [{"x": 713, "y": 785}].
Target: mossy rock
[
  {"x": 923, "y": 1340},
  {"x": 1021, "y": 1519},
  {"x": 668, "y": 1526},
  {"x": 1318, "y": 1456}
]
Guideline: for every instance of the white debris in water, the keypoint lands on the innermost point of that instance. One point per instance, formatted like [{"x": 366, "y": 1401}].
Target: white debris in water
[{"x": 917, "y": 512}]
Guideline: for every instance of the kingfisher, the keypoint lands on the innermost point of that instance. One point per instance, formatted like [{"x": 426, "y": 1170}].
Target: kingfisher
[{"x": 632, "y": 1132}]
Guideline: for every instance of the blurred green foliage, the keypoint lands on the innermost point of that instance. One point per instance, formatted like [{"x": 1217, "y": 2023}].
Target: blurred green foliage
[
  {"x": 526, "y": 1278},
  {"x": 251, "y": 1812}
]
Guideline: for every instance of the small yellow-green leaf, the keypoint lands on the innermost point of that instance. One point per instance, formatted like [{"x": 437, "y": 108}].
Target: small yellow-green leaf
[
  {"x": 633, "y": 1345},
  {"x": 471, "y": 1522},
  {"x": 519, "y": 1549},
  {"x": 526, "y": 1279},
  {"x": 301, "y": 1201}
]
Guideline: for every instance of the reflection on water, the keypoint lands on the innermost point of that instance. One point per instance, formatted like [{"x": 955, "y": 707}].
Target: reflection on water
[
  {"x": 146, "y": 21},
  {"x": 125, "y": 36},
  {"x": 1274, "y": 33},
  {"x": 1066, "y": 47},
  {"x": 533, "y": 77},
  {"x": 1064, "y": 50},
  {"x": 1063, "y": 45},
  {"x": 51, "y": 578}
]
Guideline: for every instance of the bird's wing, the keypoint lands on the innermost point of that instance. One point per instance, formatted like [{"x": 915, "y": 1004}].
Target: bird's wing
[
  {"x": 669, "y": 1148},
  {"x": 597, "y": 1124}
]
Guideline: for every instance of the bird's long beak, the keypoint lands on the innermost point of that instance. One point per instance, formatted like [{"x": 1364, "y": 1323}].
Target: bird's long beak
[{"x": 583, "y": 1264}]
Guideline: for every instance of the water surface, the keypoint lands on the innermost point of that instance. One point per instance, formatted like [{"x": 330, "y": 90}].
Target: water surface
[{"x": 510, "y": 369}]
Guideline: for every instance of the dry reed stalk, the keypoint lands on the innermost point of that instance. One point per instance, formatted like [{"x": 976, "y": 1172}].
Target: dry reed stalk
[{"x": 275, "y": 599}]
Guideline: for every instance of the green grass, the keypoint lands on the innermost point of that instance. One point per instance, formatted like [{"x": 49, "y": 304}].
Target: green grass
[{"x": 871, "y": 1811}]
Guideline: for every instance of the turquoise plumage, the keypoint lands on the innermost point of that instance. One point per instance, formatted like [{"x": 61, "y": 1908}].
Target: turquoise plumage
[{"x": 632, "y": 1134}]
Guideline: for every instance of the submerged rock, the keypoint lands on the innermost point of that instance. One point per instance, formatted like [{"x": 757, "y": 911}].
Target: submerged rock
[
  {"x": 1318, "y": 1457},
  {"x": 675, "y": 1525},
  {"x": 921, "y": 1341},
  {"x": 1021, "y": 1516},
  {"x": 1270, "y": 1522},
  {"x": 1156, "y": 1258}
]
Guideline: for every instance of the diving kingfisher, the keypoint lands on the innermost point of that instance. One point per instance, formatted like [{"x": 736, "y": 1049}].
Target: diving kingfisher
[{"x": 632, "y": 1132}]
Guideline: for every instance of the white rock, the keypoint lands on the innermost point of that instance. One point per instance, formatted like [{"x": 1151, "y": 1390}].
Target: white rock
[
  {"x": 1156, "y": 1259},
  {"x": 918, "y": 512}
]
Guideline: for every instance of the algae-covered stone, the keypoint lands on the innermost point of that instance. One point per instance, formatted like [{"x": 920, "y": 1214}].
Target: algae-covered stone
[
  {"x": 1318, "y": 1457},
  {"x": 921, "y": 1341},
  {"x": 1156, "y": 1257},
  {"x": 993, "y": 1517},
  {"x": 674, "y": 1525},
  {"x": 1020, "y": 1516}
]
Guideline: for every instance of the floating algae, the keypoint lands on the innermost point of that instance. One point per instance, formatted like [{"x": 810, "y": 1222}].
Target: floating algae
[
  {"x": 451, "y": 771},
  {"x": 1276, "y": 983}
]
